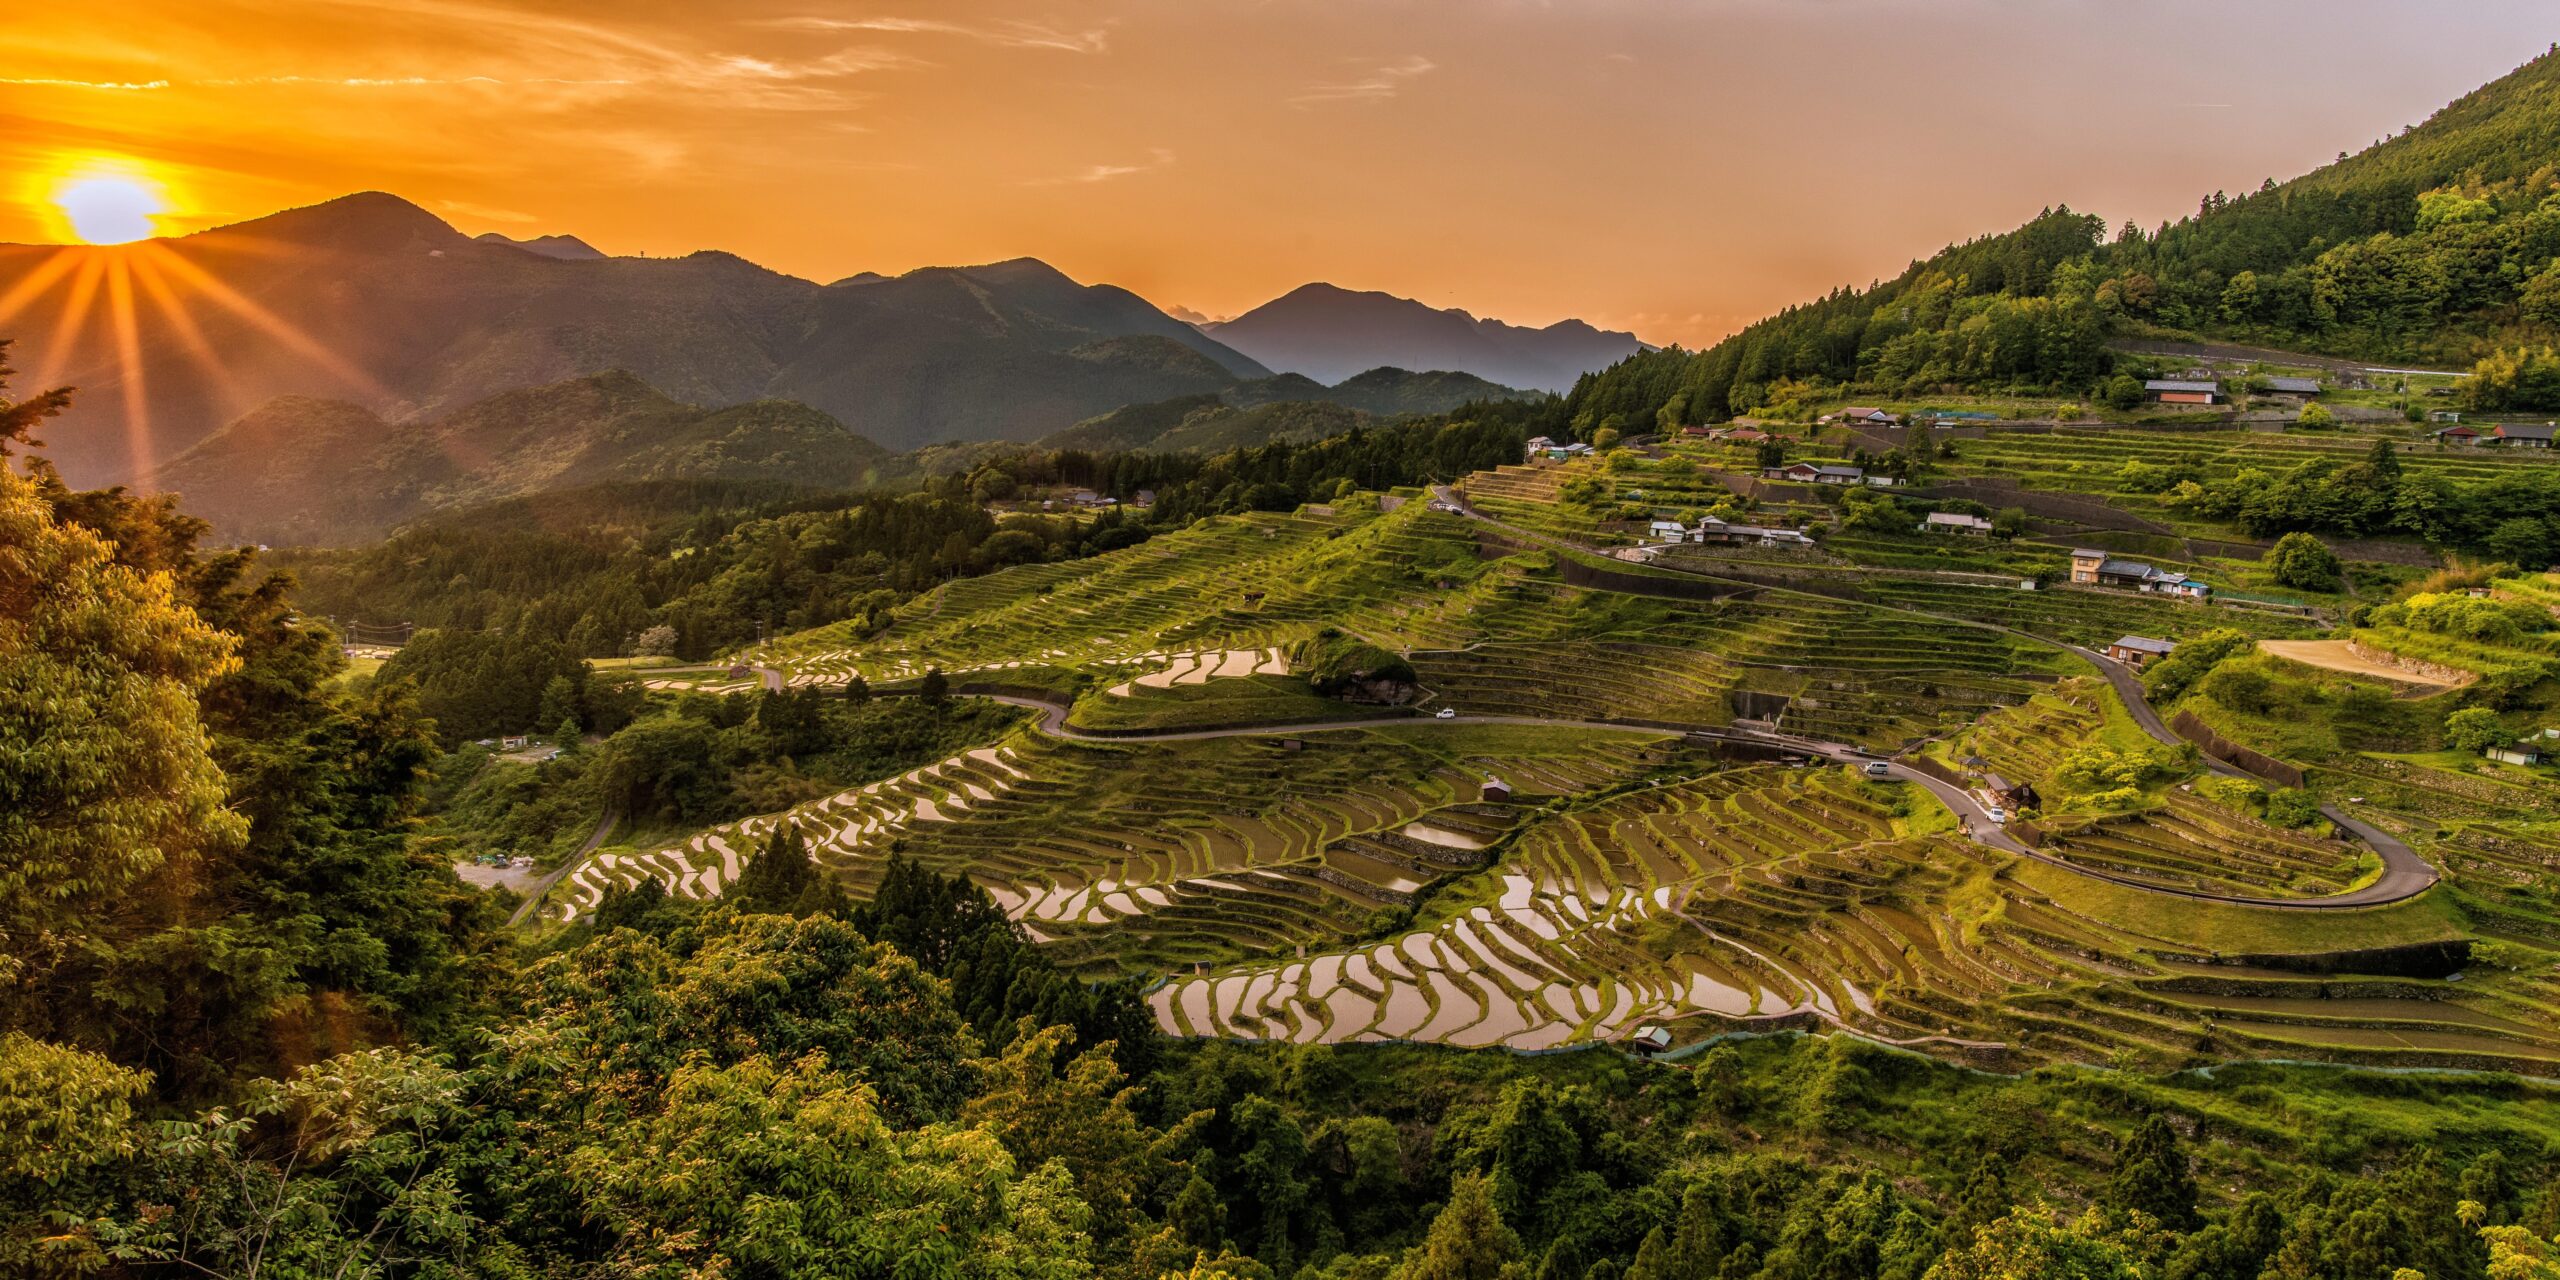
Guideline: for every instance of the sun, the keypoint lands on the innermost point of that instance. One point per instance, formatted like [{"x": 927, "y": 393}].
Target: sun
[{"x": 109, "y": 206}]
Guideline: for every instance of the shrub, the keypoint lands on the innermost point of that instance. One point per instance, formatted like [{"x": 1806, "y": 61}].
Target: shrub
[
  {"x": 1348, "y": 668},
  {"x": 2292, "y": 807},
  {"x": 2170, "y": 678},
  {"x": 2304, "y": 563},
  {"x": 2474, "y": 729}
]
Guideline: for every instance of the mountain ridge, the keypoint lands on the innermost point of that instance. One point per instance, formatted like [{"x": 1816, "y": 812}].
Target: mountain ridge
[
  {"x": 372, "y": 300},
  {"x": 1331, "y": 333}
]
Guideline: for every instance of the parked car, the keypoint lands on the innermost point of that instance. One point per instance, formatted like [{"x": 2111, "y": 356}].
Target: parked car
[
  {"x": 1879, "y": 769},
  {"x": 1446, "y": 713},
  {"x": 1996, "y": 814}
]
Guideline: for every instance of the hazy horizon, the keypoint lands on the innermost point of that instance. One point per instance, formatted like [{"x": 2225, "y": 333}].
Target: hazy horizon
[{"x": 1677, "y": 170}]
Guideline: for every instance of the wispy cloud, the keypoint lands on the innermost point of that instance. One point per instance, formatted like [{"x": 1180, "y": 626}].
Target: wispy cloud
[
  {"x": 1375, "y": 82},
  {"x": 1158, "y": 158},
  {"x": 44, "y": 82},
  {"x": 1017, "y": 35},
  {"x": 484, "y": 213}
]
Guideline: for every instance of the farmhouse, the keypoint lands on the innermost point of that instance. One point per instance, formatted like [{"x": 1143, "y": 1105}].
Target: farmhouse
[
  {"x": 1714, "y": 530},
  {"x": 2527, "y": 751},
  {"x": 1670, "y": 530},
  {"x": 2518, "y": 435},
  {"x": 2294, "y": 386},
  {"x": 2182, "y": 391},
  {"x": 1867, "y": 417},
  {"x": 1955, "y": 522},
  {"x": 2098, "y": 569},
  {"x": 2007, "y": 794},
  {"x": 1539, "y": 445},
  {"x": 512, "y": 742},
  {"x": 2458, "y": 435},
  {"x": 1809, "y": 473},
  {"x": 2138, "y": 651}
]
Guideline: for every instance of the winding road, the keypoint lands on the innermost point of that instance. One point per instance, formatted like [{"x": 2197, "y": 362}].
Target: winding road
[{"x": 2404, "y": 875}]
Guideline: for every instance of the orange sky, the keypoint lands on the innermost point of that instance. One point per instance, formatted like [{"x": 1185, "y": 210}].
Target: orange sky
[{"x": 1677, "y": 167}]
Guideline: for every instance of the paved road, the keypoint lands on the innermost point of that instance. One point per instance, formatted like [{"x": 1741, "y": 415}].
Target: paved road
[{"x": 533, "y": 896}]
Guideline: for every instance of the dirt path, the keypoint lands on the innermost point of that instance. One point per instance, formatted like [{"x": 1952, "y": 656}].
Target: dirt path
[
  {"x": 2256, "y": 355},
  {"x": 2333, "y": 655}
]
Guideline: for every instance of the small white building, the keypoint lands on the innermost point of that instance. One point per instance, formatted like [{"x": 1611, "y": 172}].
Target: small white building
[
  {"x": 1956, "y": 522},
  {"x": 1670, "y": 531},
  {"x": 1814, "y": 473}
]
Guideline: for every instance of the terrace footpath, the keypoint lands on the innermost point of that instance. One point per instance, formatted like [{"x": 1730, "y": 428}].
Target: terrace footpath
[{"x": 2405, "y": 875}]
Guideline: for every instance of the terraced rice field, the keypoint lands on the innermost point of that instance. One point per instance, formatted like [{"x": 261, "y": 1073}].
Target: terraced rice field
[
  {"x": 2191, "y": 844},
  {"x": 1764, "y": 895},
  {"x": 1362, "y": 884},
  {"x": 1152, "y": 856}
]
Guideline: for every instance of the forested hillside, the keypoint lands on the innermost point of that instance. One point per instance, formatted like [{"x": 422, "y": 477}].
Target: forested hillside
[
  {"x": 591, "y": 572},
  {"x": 2438, "y": 245},
  {"x": 300, "y": 470}
]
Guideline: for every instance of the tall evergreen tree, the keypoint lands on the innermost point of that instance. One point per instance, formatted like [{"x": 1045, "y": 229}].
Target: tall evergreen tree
[
  {"x": 1469, "y": 1240},
  {"x": 2152, "y": 1177}
]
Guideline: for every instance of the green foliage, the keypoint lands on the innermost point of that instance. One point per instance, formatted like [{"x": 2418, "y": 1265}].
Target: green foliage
[
  {"x": 2522, "y": 379},
  {"x": 780, "y": 879},
  {"x": 2302, "y": 562},
  {"x": 2292, "y": 807},
  {"x": 1342, "y": 666},
  {"x": 2475, "y": 729},
  {"x": 2031, "y": 1245},
  {"x": 2169, "y": 679},
  {"x": 2468, "y": 617},
  {"x": 113, "y": 792},
  {"x": 1468, "y": 1240},
  {"x": 2104, "y": 776},
  {"x": 237, "y": 871},
  {"x": 2152, "y": 1178}
]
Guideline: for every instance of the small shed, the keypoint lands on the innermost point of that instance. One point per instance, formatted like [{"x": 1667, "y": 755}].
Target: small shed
[
  {"x": 1649, "y": 1039},
  {"x": 2183, "y": 391},
  {"x": 1495, "y": 790},
  {"x": 2527, "y": 751},
  {"x": 2138, "y": 651}
]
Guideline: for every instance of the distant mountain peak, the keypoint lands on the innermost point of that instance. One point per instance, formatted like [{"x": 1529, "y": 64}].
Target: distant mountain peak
[
  {"x": 1331, "y": 333},
  {"x": 565, "y": 247},
  {"x": 366, "y": 220},
  {"x": 1019, "y": 271}
]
